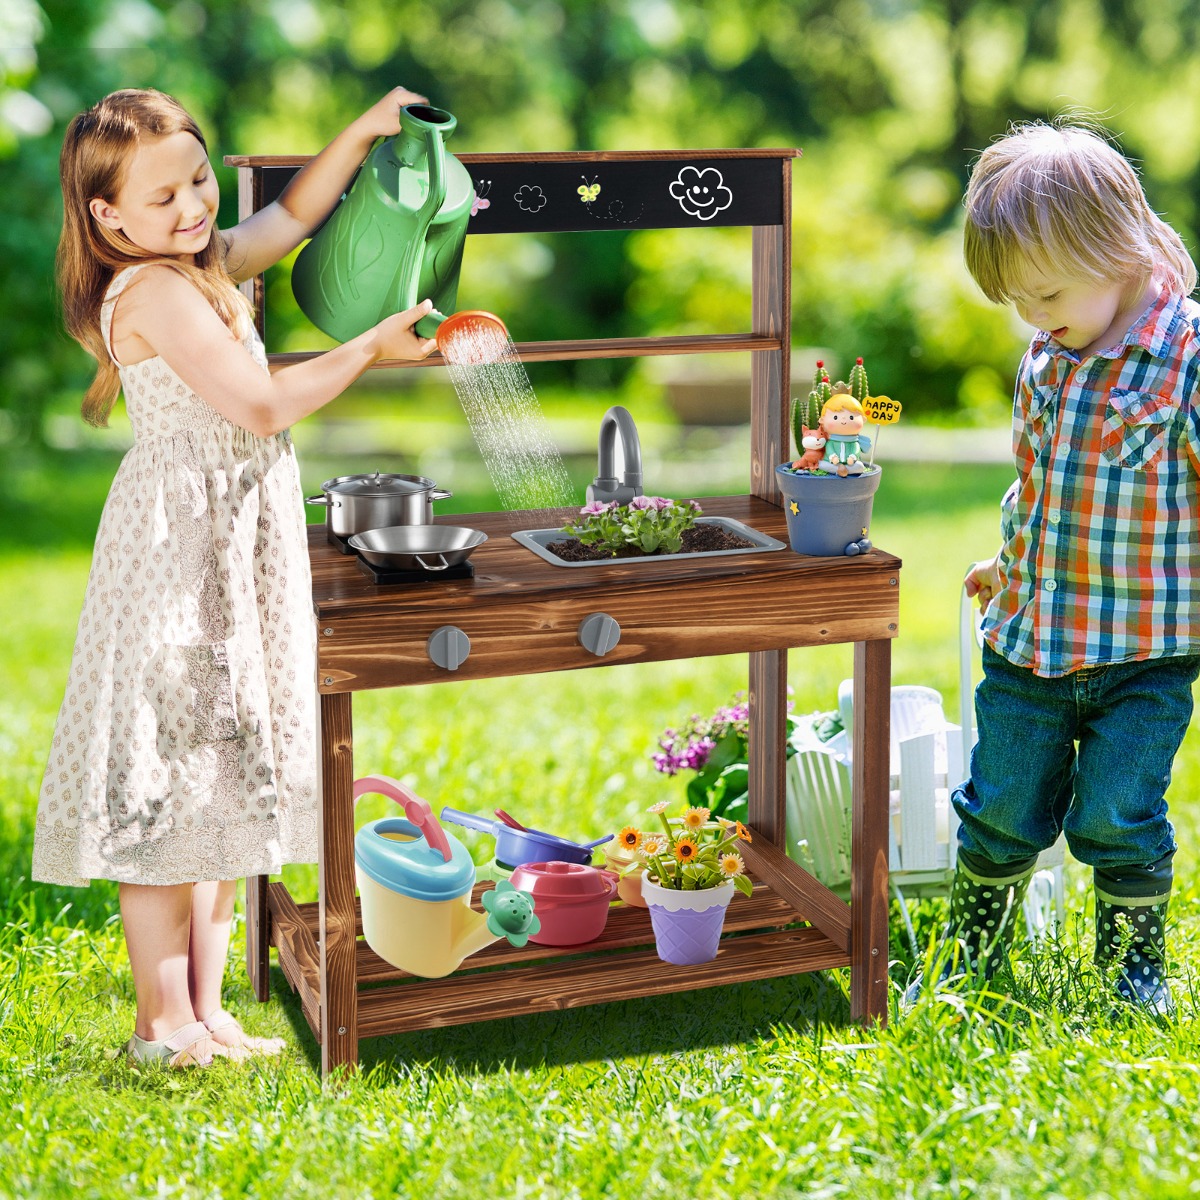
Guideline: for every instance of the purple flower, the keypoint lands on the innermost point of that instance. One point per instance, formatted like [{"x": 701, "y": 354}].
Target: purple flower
[
  {"x": 595, "y": 508},
  {"x": 696, "y": 754},
  {"x": 661, "y": 502},
  {"x": 641, "y": 503}
]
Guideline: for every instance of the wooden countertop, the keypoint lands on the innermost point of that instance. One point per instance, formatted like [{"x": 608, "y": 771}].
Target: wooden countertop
[{"x": 522, "y": 614}]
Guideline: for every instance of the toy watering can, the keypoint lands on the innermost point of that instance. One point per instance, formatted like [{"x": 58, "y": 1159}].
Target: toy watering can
[
  {"x": 395, "y": 239},
  {"x": 415, "y": 882}
]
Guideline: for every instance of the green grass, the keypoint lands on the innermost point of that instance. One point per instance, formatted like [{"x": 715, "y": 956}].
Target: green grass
[{"x": 763, "y": 1089}]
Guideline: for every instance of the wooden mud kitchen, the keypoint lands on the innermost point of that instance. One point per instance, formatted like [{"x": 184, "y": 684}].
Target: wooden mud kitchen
[{"x": 522, "y": 615}]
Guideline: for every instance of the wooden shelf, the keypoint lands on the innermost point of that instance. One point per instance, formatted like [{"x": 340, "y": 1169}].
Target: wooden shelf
[{"x": 561, "y": 351}]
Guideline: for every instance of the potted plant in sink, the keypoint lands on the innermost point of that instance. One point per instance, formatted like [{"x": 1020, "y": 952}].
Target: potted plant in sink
[
  {"x": 689, "y": 874},
  {"x": 829, "y": 489},
  {"x": 648, "y": 526}
]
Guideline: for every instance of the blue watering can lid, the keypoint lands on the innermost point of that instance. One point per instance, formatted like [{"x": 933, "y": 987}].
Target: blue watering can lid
[{"x": 412, "y": 867}]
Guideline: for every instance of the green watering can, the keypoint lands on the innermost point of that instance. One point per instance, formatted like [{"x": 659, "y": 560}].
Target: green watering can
[{"x": 395, "y": 239}]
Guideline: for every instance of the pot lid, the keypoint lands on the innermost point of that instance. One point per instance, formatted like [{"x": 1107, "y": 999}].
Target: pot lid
[
  {"x": 393, "y": 852},
  {"x": 562, "y": 881},
  {"x": 378, "y": 485}
]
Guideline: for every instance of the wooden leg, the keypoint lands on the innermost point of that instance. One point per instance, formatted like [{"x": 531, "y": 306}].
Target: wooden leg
[
  {"x": 258, "y": 936},
  {"x": 338, "y": 949},
  {"x": 768, "y": 732},
  {"x": 869, "y": 836}
]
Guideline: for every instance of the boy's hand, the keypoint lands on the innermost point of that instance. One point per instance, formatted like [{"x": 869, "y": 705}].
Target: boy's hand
[
  {"x": 383, "y": 119},
  {"x": 983, "y": 580},
  {"x": 394, "y": 336}
]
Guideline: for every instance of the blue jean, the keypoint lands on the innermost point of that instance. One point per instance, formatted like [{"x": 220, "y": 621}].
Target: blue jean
[{"x": 1088, "y": 754}]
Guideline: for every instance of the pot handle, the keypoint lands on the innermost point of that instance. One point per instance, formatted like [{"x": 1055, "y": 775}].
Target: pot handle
[
  {"x": 612, "y": 878},
  {"x": 440, "y": 494},
  {"x": 430, "y": 566},
  {"x": 326, "y": 501},
  {"x": 469, "y": 820},
  {"x": 416, "y": 810}
]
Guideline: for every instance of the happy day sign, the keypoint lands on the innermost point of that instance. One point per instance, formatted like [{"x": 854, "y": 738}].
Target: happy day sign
[{"x": 882, "y": 410}]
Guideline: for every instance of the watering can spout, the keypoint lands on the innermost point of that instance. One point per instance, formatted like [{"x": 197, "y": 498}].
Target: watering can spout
[{"x": 472, "y": 322}]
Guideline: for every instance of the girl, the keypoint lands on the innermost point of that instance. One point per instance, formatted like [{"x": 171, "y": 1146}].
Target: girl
[
  {"x": 1091, "y": 607},
  {"x": 184, "y": 754}
]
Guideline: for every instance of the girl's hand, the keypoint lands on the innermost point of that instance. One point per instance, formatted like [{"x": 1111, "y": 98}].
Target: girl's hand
[
  {"x": 383, "y": 119},
  {"x": 983, "y": 580},
  {"x": 394, "y": 337}
]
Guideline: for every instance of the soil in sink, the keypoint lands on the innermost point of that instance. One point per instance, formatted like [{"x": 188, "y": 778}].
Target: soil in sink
[{"x": 699, "y": 539}]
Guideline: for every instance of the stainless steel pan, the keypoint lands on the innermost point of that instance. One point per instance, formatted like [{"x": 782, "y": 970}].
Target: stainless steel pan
[{"x": 417, "y": 547}]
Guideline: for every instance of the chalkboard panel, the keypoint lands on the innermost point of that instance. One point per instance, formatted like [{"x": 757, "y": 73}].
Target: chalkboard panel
[{"x": 653, "y": 193}]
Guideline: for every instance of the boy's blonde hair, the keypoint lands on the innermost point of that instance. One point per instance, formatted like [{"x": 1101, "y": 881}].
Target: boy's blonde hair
[
  {"x": 842, "y": 402},
  {"x": 95, "y": 157},
  {"x": 1060, "y": 198}
]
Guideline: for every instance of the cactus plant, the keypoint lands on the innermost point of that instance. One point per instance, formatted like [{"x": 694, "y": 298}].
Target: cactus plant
[
  {"x": 806, "y": 412},
  {"x": 858, "y": 381}
]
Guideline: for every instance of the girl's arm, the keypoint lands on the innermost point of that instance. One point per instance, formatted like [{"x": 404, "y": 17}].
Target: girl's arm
[
  {"x": 262, "y": 239},
  {"x": 167, "y": 312}
]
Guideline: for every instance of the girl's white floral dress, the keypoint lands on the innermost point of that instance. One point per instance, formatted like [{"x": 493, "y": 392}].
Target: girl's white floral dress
[{"x": 185, "y": 748}]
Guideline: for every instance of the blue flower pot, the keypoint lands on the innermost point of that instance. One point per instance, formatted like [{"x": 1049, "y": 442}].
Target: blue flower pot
[{"x": 828, "y": 515}]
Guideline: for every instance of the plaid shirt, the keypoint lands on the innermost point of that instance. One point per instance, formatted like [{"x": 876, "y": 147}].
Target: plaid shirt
[{"x": 1101, "y": 529}]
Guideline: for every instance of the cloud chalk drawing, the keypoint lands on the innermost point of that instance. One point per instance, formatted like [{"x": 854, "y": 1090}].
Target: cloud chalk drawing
[
  {"x": 530, "y": 198},
  {"x": 701, "y": 194}
]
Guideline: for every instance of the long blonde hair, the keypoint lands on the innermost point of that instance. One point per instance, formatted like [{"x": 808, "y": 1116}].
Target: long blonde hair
[
  {"x": 95, "y": 156},
  {"x": 1062, "y": 199}
]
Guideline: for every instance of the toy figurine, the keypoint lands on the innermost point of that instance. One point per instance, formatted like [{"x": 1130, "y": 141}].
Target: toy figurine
[{"x": 841, "y": 427}]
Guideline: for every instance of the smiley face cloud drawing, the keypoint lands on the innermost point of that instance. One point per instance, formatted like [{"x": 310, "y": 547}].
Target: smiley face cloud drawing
[{"x": 701, "y": 194}]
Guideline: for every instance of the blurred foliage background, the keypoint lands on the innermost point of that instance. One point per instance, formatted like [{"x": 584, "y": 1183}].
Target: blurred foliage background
[{"x": 889, "y": 99}]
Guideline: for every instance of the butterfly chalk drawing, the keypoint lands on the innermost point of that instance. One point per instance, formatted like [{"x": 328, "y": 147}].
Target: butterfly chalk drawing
[
  {"x": 589, "y": 191},
  {"x": 483, "y": 186}
]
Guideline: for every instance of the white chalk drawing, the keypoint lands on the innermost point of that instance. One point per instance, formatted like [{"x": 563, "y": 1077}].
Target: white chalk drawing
[
  {"x": 530, "y": 198},
  {"x": 701, "y": 194}
]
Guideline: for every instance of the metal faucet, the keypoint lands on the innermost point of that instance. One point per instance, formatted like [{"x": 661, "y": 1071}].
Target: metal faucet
[{"x": 617, "y": 423}]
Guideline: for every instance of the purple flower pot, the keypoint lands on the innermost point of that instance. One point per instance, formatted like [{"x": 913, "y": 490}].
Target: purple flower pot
[{"x": 685, "y": 933}]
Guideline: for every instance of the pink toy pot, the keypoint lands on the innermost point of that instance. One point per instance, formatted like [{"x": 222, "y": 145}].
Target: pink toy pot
[{"x": 571, "y": 900}]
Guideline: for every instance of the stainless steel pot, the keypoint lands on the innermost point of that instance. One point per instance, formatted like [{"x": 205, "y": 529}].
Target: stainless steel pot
[
  {"x": 356, "y": 503},
  {"x": 418, "y": 547}
]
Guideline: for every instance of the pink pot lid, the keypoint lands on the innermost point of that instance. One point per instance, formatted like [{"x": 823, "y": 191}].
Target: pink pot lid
[{"x": 563, "y": 881}]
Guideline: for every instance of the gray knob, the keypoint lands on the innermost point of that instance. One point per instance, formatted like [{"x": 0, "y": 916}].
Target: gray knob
[
  {"x": 448, "y": 646},
  {"x": 599, "y": 633}
]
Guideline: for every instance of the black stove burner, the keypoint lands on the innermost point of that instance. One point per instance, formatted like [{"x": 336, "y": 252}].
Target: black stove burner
[{"x": 464, "y": 570}]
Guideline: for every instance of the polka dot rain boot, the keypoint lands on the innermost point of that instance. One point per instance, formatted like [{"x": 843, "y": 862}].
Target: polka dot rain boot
[
  {"x": 1133, "y": 935},
  {"x": 982, "y": 919}
]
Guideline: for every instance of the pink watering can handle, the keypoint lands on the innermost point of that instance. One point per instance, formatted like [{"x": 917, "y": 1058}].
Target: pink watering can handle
[{"x": 416, "y": 810}]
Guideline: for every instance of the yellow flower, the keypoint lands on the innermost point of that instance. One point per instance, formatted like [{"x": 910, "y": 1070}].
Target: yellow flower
[
  {"x": 629, "y": 838},
  {"x": 686, "y": 850},
  {"x": 694, "y": 818},
  {"x": 652, "y": 845},
  {"x": 661, "y": 806},
  {"x": 743, "y": 833},
  {"x": 731, "y": 865}
]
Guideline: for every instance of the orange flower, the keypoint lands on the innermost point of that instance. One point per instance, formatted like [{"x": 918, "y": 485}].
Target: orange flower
[
  {"x": 743, "y": 833},
  {"x": 630, "y": 838},
  {"x": 686, "y": 850}
]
